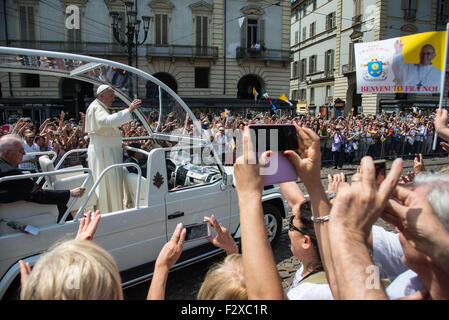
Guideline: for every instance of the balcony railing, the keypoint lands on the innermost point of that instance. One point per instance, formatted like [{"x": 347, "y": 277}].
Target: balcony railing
[
  {"x": 104, "y": 49},
  {"x": 267, "y": 54},
  {"x": 91, "y": 48},
  {"x": 181, "y": 51}
]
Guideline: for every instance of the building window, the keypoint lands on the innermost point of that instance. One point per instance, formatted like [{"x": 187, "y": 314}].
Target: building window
[
  {"x": 303, "y": 70},
  {"x": 294, "y": 95},
  {"x": 329, "y": 92},
  {"x": 302, "y": 95},
  {"x": 330, "y": 21},
  {"x": 409, "y": 8},
  {"x": 27, "y": 23},
  {"x": 312, "y": 64},
  {"x": 29, "y": 80},
  {"x": 161, "y": 28},
  {"x": 74, "y": 40},
  {"x": 296, "y": 37},
  {"x": 312, "y": 29},
  {"x": 201, "y": 35},
  {"x": 357, "y": 8},
  {"x": 312, "y": 96},
  {"x": 329, "y": 63},
  {"x": 314, "y": 4},
  {"x": 251, "y": 33},
  {"x": 442, "y": 11},
  {"x": 304, "y": 33},
  {"x": 202, "y": 77},
  {"x": 295, "y": 69}
]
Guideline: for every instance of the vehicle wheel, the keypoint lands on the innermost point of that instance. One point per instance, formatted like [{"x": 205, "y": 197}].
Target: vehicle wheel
[{"x": 273, "y": 222}]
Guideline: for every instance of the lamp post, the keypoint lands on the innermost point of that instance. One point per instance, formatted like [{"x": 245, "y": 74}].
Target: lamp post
[{"x": 129, "y": 37}]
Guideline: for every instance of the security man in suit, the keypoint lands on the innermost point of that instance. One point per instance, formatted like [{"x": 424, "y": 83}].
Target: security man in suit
[{"x": 11, "y": 152}]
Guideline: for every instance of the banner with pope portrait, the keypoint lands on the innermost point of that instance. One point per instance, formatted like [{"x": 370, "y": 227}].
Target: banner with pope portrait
[{"x": 408, "y": 64}]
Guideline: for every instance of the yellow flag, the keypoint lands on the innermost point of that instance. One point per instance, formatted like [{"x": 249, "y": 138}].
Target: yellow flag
[{"x": 283, "y": 97}]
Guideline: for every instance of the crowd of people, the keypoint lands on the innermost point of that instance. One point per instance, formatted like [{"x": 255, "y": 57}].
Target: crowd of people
[
  {"x": 332, "y": 233},
  {"x": 342, "y": 139}
]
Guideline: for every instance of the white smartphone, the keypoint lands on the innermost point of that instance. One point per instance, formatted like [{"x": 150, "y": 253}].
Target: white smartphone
[{"x": 197, "y": 231}]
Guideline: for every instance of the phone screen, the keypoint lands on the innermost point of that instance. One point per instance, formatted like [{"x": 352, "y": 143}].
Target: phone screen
[
  {"x": 381, "y": 170},
  {"x": 287, "y": 137},
  {"x": 196, "y": 231}
]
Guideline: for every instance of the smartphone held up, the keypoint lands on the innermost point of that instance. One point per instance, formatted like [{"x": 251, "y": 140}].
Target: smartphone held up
[
  {"x": 276, "y": 138},
  {"x": 197, "y": 231}
]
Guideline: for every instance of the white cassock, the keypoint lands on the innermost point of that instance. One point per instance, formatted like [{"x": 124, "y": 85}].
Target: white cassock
[
  {"x": 105, "y": 148},
  {"x": 411, "y": 74}
]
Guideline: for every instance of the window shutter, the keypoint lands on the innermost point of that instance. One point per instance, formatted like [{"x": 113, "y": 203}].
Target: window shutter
[
  {"x": 261, "y": 30},
  {"x": 332, "y": 62},
  {"x": 204, "y": 43},
  {"x": 198, "y": 31},
  {"x": 31, "y": 27},
  {"x": 326, "y": 63},
  {"x": 158, "y": 29},
  {"x": 164, "y": 29},
  {"x": 243, "y": 33},
  {"x": 23, "y": 23},
  {"x": 404, "y": 4}
]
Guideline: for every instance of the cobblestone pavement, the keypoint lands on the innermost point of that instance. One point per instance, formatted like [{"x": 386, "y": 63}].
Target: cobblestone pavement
[{"x": 184, "y": 284}]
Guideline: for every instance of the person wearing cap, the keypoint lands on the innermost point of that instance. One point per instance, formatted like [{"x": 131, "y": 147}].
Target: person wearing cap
[{"x": 105, "y": 147}]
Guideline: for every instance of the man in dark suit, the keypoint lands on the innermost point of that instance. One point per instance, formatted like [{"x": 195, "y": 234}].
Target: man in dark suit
[
  {"x": 11, "y": 152},
  {"x": 137, "y": 158}
]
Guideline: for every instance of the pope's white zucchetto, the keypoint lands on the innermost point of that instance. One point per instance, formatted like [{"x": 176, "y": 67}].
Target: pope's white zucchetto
[{"x": 102, "y": 88}]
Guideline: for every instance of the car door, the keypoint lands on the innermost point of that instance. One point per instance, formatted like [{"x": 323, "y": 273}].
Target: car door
[{"x": 198, "y": 192}]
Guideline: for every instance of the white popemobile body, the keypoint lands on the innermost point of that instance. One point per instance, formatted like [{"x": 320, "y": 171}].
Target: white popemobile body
[{"x": 179, "y": 187}]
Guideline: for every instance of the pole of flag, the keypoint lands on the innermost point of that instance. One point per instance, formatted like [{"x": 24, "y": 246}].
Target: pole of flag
[{"x": 442, "y": 82}]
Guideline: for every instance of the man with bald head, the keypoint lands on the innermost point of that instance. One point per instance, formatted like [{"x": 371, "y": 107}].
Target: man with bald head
[
  {"x": 11, "y": 153},
  {"x": 412, "y": 74},
  {"x": 105, "y": 147}
]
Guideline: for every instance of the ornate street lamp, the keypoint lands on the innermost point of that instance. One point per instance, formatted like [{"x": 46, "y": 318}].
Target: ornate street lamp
[{"x": 129, "y": 37}]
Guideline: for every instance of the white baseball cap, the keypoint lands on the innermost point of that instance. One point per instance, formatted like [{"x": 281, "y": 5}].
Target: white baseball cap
[{"x": 102, "y": 88}]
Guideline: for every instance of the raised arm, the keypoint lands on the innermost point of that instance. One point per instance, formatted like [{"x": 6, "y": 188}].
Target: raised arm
[
  {"x": 261, "y": 276},
  {"x": 356, "y": 208},
  {"x": 441, "y": 124},
  {"x": 308, "y": 168},
  {"x": 168, "y": 256}
]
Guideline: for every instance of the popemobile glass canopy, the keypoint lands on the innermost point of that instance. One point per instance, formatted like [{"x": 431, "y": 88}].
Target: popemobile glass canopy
[{"x": 161, "y": 106}]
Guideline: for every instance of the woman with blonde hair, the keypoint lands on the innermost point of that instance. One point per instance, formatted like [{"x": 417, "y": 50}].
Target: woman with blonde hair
[{"x": 74, "y": 270}]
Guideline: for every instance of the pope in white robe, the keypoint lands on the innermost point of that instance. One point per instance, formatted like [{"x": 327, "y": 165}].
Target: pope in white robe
[
  {"x": 412, "y": 74},
  {"x": 105, "y": 147}
]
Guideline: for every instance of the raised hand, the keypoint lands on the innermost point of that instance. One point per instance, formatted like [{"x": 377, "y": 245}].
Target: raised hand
[
  {"x": 88, "y": 226},
  {"x": 223, "y": 239}
]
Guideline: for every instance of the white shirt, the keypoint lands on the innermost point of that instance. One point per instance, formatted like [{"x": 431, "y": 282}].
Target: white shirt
[
  {"x": 28, "y": 165},
  {"x": 405, "y": 284},
  {"x": 387, "y": 254},
  {"x": 307, "y": 290}
]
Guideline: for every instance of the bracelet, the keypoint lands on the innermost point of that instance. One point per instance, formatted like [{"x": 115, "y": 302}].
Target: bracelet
[{"x": 320, "y": 219}]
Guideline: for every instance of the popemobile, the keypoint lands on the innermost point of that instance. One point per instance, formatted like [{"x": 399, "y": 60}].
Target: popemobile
[{"x": 185, "y": 181}]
